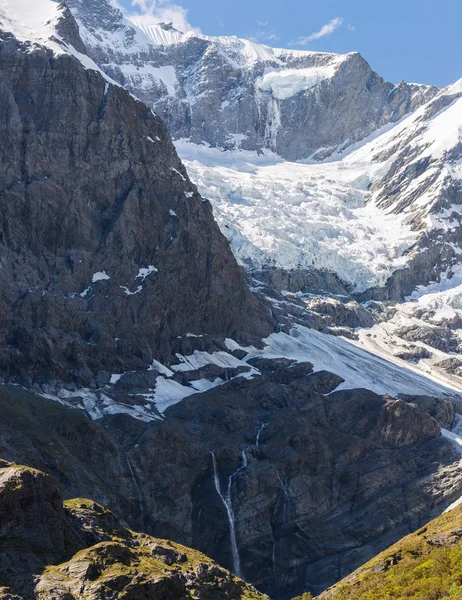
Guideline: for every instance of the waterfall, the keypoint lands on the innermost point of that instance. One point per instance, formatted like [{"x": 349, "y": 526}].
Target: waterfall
[
  {"x": 136, "y": 485},
  {"x": 284, "y": 514},
  {"x": 228, "y": 504},
  {"x": 259, "y": 432}
]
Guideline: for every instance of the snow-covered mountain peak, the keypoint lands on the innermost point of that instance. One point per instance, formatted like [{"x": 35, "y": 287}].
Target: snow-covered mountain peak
[
  {"x": 229, "y": 92},
  {"x": 242, "y": 52},
  {"x": 393, "y": 148},
  {"x": 46, "y": 23},
  {"x": 160, "y": 34},
  {"x": 32, "y": 21}
]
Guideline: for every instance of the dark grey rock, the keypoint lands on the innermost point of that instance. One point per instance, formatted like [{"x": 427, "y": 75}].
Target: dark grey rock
[
  {"x": 317, "y": 499},
  {"x": 89, "y": 177},
  {"x": 341, "y": 314},
  {"x": 414, "y": 354},
  {"x": 138, "y": 379},
  {"x": 281, "y": 370},
  {"x": 436, "y": 337},
  {"x": 453, "y": 366},
  {"x": 311, "y": 281},
  {"x": 441, "y": 410}
]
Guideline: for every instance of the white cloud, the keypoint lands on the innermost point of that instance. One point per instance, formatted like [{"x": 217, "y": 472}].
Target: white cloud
[
  {"x": 326, "y": 30},
  {"x": 149, "y": 12}
]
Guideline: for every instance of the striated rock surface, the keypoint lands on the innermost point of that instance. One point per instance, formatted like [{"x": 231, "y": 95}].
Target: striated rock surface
[{"x": 108, "y": 253}]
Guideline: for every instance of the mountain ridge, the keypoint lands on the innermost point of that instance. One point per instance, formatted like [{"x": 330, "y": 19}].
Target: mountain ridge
[{"x": 230, "y": 92}]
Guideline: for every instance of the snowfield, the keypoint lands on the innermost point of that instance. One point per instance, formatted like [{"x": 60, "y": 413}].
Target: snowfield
[{"x": 286, "y": 83}]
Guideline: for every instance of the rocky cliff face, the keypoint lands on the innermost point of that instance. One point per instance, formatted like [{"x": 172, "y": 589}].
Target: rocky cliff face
[
  {"x": 235, "y": 93},
  {"x": 108, "y": 253},
  {"x": 285, "y": 485},
  {"x": 422, "y": 180}
]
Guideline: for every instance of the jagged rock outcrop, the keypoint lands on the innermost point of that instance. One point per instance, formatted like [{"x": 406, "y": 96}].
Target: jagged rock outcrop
[
  {"x": 236, "y": 93},
  {"x": 440, "y": 338},
  {"x": 108, "y": 253},
  {"x": 341, "y": 314},
  {"x": 55, "y": 551}
]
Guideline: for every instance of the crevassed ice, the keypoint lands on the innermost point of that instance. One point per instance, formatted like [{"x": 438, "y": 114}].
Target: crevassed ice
[{"x": 294, "y": 215}]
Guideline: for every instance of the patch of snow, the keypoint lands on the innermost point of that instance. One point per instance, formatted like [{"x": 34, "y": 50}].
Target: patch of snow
[
  {"x": 115, "y": 378},
  {"x": 97, "y": 404},
  {"x": 35, "y": 22},
  {"x": 145, "y": 272},
  {"x": 32, "y": 21},
  {"x": 358, "y": 367},
  {"x": 138, "y": 290},
  {"x": 285, "y": 83},
  {"x": 200, "y": 359},
  {"x": 169, "y": 392},
  {"x": 447, "y": 292},
  {"x": 455, "y": 439},
  {"x": 100, "y": 276},
  {"x": 178, "y": 173},
  {"x": 157, "y": 366},
  {"x": 143, "y": 76},
  {"x": 172, "y": 213},
  {"x": 203, "y": 385},
  {"x": 158, "y": 35}
]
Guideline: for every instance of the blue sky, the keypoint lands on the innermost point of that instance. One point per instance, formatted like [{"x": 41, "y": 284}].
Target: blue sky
[{"x": 414, "y": 40}]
